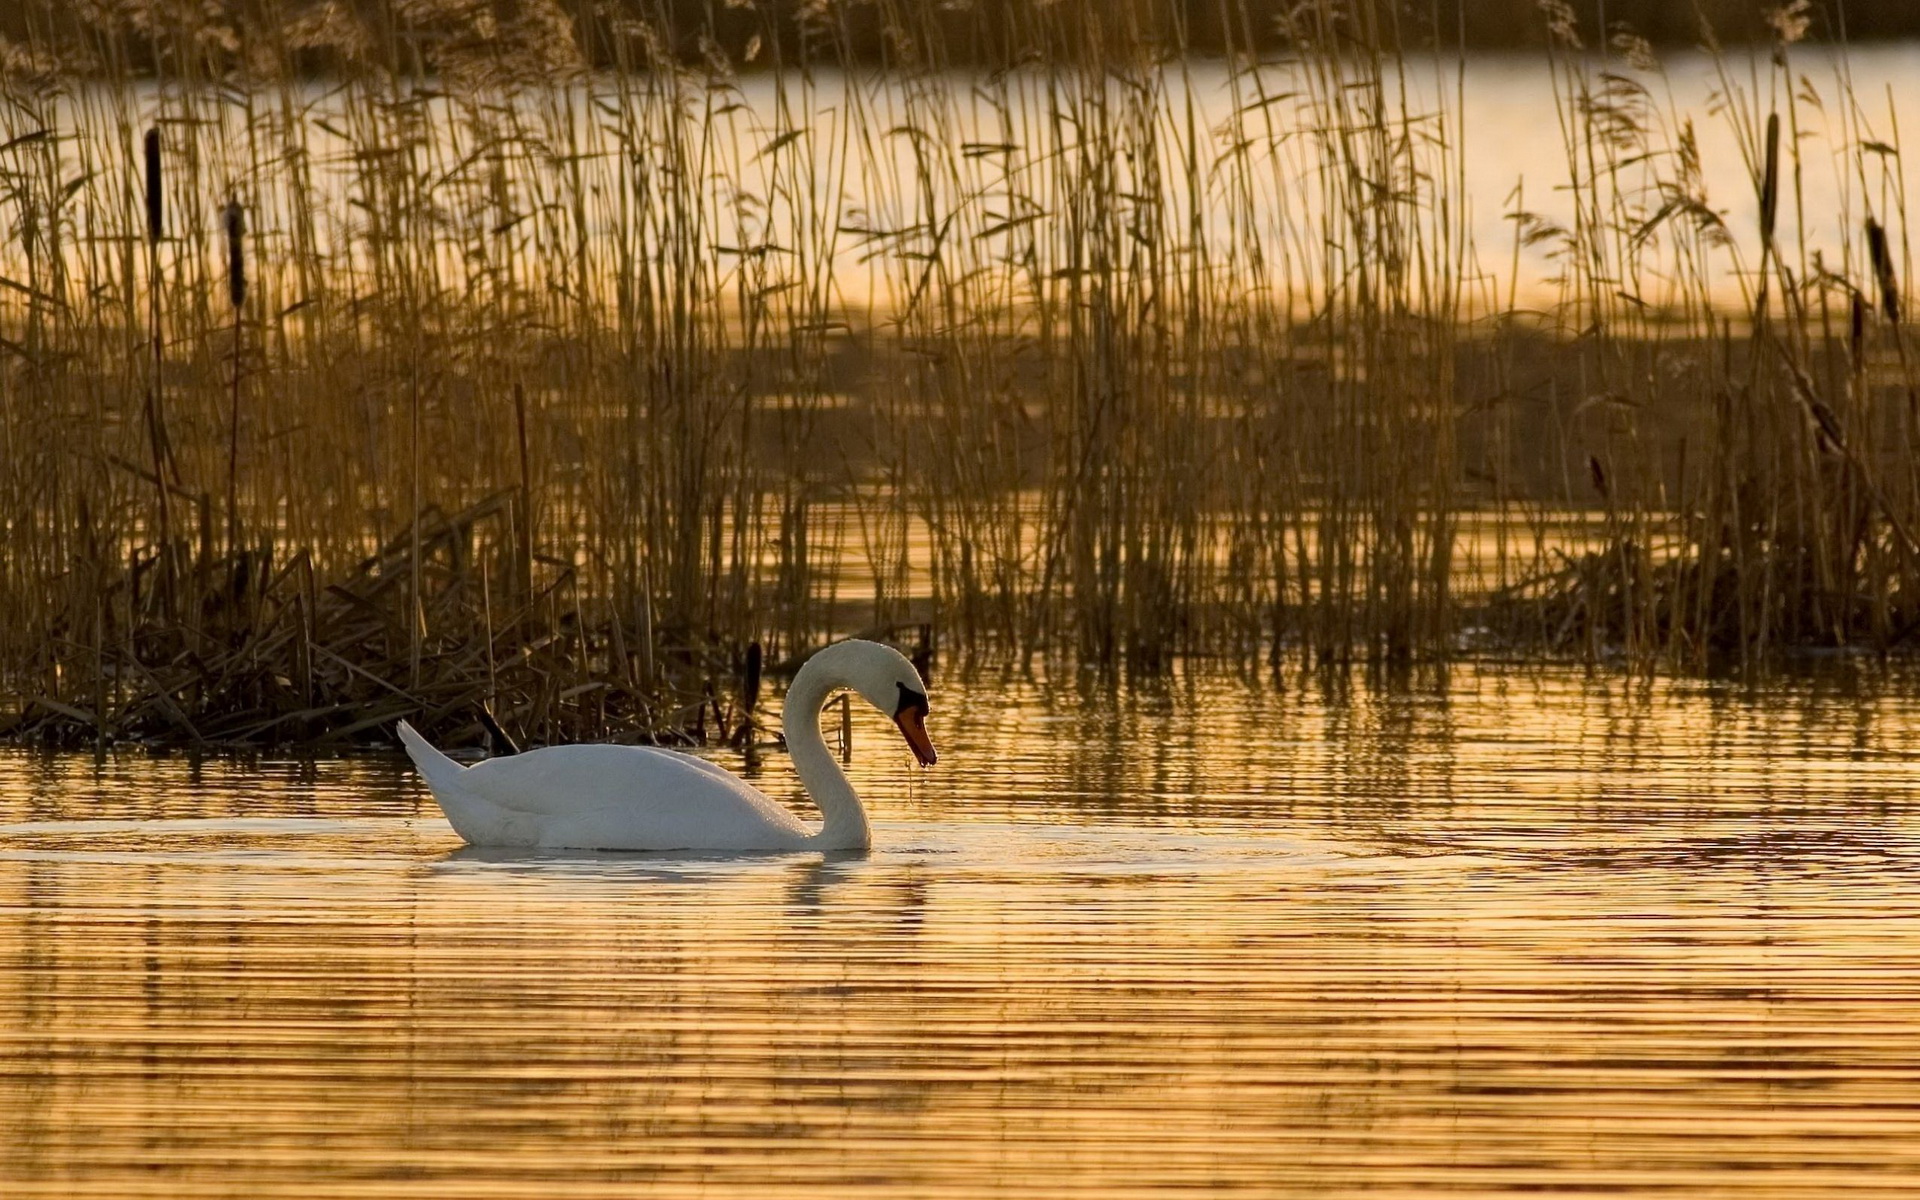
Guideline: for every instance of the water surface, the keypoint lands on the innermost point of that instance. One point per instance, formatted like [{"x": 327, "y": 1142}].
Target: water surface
[{"x": 1527, "y": 932}]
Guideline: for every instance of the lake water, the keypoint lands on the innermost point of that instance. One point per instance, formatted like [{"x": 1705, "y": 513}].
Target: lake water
[{"x": 1528, "y": 932}]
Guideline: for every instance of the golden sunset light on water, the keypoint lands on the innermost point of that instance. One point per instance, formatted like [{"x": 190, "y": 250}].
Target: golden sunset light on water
[
  {"x": 1519, "y": 934},
  {"x": 959, "y": 599}
]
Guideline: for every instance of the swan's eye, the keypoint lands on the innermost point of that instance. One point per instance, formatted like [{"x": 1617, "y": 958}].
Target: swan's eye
[{"x": 909, "y": 699}]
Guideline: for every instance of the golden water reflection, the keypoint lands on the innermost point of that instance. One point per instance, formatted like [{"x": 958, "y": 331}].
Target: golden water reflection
[{"x": 1527, "y": 932}]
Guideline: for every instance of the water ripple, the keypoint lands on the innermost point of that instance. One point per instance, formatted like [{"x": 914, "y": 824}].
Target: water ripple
[{"x": 1513, "y": 935}]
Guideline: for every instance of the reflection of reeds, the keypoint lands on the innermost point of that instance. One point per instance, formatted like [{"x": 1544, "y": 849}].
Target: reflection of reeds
[{"x": 557, "y": 387}]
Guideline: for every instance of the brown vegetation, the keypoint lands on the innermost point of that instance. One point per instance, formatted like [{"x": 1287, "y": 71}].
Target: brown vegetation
[{"x": 472, "y": 374}]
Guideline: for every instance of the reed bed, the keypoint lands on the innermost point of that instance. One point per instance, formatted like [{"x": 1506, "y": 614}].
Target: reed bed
[{"x": 561, "y": 358}]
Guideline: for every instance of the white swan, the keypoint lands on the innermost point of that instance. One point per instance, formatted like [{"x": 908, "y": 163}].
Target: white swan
[{"x": 640, "y": 798}]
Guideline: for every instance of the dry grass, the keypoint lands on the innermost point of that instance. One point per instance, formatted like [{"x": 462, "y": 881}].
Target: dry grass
[{"x": 556, "y": 387}]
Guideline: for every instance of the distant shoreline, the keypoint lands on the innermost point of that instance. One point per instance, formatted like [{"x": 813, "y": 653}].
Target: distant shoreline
[{"x": 990, "y": 34}]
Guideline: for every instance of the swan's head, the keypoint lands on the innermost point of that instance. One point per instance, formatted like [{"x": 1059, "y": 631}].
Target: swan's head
[{"x": 885, "y": 679}]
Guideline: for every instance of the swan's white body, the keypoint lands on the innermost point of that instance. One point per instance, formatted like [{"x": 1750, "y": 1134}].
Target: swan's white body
[{"x": 640, "y": 798}]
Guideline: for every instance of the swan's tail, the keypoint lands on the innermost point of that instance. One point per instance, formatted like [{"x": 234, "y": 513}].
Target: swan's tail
[{"x": 441, "y": 773}]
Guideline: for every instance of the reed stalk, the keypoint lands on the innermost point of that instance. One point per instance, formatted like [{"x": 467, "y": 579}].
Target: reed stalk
[
  {"x": 235, "y": 222},
  {"x": 156, "y": 396}
]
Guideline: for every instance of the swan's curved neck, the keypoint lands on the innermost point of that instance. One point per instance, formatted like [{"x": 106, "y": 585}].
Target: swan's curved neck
[{"x": 846, "y": 821}]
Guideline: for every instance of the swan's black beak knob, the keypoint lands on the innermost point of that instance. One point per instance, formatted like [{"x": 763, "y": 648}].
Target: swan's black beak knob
[{"x": 911, "y": 717}]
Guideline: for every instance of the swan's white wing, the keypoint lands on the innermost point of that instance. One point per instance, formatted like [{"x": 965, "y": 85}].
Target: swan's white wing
[
  {"x": 563, "y": 779},
  {"x": 711, "y": 768}
]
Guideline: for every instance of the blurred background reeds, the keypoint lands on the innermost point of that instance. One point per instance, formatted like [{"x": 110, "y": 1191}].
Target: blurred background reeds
[{"x": 361, "y": 361}]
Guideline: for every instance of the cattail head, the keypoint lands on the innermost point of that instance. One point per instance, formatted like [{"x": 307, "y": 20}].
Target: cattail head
[
  {"x": 750, "y": 681},
  {"x": 236, "y": 222},
  {"x": 1883, "y": 274},
  {"x": 1770, "y": 182},
  {"x": 156, "y": 211}
]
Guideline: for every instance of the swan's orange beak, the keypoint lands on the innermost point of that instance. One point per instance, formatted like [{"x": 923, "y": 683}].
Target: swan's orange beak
[{"x": 912, "y": 721}]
